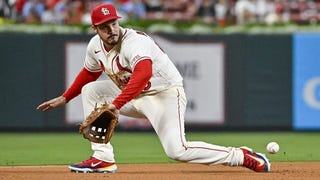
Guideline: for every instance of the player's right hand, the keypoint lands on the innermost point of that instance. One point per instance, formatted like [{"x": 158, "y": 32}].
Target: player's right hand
[
  {"x": 114, "y": 109},
  {"x": 53, "y": 103}
]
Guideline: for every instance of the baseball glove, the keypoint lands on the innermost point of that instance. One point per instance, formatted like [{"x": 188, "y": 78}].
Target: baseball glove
[{"x": 99, "y": 125}]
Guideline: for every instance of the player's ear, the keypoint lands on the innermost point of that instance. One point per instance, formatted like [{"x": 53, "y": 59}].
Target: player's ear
[{"x": 94, "y": 28}]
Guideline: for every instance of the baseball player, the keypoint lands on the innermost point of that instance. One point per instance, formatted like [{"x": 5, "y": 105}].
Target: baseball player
[{"x": 144, "y": 83}]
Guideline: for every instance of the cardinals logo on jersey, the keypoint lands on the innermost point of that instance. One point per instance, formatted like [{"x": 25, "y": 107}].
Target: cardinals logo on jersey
[
  {"x": 122, "y": 78},
  {"x": 122, "y": 75}
]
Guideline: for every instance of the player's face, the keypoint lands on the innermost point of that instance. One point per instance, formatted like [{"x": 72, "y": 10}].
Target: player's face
[{"x": 109, "y": 32}]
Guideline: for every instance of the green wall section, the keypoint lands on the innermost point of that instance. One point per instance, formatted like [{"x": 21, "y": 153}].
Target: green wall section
[
  {"x": 258, "y": 80},
  {"x": 22, "y": 80},
  {"x": 268, "y": 80}
]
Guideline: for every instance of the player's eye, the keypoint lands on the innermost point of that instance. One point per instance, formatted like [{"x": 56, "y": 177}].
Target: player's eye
[{"x": 114, "y": 24}]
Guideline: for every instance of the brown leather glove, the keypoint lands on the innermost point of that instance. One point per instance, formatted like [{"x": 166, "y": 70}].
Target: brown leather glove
[{"x": 99, "y": 125}]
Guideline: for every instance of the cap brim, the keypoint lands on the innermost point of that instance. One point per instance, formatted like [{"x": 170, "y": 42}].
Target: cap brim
[{"x": 106, "y": 20}]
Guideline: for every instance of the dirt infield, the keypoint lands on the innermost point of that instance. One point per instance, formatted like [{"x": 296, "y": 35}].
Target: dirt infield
[{"x": 280, "y": 170}]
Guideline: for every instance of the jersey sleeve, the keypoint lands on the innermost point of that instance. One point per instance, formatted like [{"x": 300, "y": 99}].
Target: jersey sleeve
[
  {"x": 91, "y": 63},
  {"x": 141, "y": 51}
]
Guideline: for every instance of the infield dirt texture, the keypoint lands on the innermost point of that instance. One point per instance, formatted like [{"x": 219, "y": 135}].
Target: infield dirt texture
[
  {"x": 25, "y": 157},
  {"x": 172, "y": 171}
]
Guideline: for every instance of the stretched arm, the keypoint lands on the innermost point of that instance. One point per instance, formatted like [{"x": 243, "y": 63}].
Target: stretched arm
[{"x": 73, "y": 91}]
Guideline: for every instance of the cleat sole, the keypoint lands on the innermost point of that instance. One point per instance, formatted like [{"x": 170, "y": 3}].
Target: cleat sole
[{"x": 110, "y": 169}]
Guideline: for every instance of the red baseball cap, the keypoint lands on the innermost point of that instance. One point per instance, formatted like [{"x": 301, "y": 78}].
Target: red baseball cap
[{"x": 103, "y": 13}]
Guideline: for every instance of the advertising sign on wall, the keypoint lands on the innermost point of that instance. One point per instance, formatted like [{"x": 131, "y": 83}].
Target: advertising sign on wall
[{"x": 306, "y": 81}]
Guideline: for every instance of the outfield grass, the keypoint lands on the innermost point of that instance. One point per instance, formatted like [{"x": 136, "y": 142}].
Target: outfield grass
[{"x": 66, "y": 148}]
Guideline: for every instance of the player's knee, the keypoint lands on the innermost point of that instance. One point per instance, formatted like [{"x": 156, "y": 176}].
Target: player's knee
[{"x": 176, "y": 154}]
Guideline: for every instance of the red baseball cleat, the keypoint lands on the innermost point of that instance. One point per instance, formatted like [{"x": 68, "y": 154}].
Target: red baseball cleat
[
  {"x": 93, "y": 165},
  {"x": 255, "y": 161}
]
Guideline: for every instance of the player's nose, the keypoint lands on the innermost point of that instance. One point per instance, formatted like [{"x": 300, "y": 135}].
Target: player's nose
[{"x": 112, "y": 30}]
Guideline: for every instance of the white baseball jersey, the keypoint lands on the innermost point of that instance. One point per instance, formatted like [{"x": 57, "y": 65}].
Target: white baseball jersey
[{"x": 120, "y": 61}]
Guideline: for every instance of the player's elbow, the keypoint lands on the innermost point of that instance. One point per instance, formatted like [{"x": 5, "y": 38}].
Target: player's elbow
[{"x": 147, "y": 76}]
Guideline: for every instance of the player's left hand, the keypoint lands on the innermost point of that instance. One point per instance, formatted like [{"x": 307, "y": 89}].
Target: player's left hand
[{"x": 53, "y": 103}]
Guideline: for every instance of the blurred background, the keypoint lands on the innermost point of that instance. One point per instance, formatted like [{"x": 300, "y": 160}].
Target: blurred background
[
  {"x": 247, "y": 64},
  {"x": 213, "y": 12}
]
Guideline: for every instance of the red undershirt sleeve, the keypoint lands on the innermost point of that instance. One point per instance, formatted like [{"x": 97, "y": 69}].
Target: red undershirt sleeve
[
  {"x": 138, "y": 80},
  {"x": 82, "y": 79}
]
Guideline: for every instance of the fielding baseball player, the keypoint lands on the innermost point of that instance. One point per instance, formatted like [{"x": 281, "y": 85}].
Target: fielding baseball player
[{"x": 144, "y": 83}]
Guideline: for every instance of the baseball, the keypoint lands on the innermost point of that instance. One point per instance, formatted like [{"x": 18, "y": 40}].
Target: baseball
[{"x": 272, "y": 147}]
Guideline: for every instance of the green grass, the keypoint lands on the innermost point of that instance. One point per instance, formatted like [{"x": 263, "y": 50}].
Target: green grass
[{"x": 66, "y": 148}]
